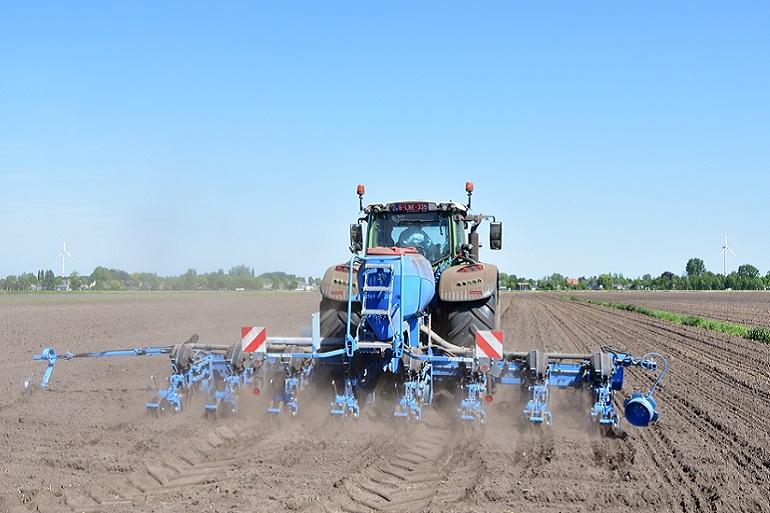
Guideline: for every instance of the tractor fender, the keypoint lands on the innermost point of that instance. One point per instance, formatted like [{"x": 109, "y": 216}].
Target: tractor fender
[
  {"x": 467, "y": 282},
  {"x": 335, "y": 282}
]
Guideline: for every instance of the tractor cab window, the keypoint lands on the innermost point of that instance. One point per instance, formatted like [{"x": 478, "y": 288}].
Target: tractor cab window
[{"x": 428, "y": 232}]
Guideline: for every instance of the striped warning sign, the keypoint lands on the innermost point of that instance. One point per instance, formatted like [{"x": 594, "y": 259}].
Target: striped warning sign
[
  {"x": 253, "y": 339},
  {"x": 489, "y": 344}
]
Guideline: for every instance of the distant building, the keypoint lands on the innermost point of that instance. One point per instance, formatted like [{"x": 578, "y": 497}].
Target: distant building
[{"x": 573, "y": 282}]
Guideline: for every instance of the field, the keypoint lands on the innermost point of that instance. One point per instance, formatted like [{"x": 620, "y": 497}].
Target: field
[
  {"x": 87, "y": 444},
  {"x": 742, "y": 307}
]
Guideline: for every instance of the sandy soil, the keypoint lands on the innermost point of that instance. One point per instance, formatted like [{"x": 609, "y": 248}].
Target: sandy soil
[
  {"x": 87, "y": 444},
  {"x": 744, "y": 307}
]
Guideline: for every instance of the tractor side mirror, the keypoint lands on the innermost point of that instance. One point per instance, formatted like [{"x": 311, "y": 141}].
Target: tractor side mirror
[
  {"x": 356, "y": 238},
  {"x": 495, "y": 235}
]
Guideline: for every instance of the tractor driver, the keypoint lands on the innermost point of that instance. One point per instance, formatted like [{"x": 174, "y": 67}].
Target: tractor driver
[
  {"x": 415, "y": 237},
  {"x": 400, "y": 231}
]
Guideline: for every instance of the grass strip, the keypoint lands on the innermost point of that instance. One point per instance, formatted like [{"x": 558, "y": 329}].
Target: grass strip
[{"x": 757, "y": 333}]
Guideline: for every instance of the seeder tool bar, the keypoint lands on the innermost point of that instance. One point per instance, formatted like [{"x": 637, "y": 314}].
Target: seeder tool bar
[
  {"x": 49, "y": 355},
  {"x": 326, "y": 354},
  {"x": 550, "y": 356}
]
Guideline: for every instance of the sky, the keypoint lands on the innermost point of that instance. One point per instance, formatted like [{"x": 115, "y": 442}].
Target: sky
[{"x": 159, "y": 136}]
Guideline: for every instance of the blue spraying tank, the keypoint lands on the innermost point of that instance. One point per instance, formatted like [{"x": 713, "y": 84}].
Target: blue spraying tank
[{"x": 381, "y": 278}]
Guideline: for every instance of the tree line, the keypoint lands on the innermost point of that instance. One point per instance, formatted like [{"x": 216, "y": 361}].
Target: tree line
[
  {"x": 102, "y": 278},
  {"x": 695, "y": 277}
]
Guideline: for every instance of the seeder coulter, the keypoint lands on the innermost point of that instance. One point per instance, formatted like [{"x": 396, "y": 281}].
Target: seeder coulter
[{"x": 411, "y": 315}]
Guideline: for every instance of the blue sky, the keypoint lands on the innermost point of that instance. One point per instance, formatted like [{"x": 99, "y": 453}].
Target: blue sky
[{"x": 608, "y": 136}]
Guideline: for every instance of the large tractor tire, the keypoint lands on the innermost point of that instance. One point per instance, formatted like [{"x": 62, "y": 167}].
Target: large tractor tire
[
  {"x": 334, "y": 317},
  {"x": 458, "y": 322}
]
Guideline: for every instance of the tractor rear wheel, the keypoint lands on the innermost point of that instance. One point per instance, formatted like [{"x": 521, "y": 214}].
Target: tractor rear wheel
[
  {"x": 334, "y": 317},
  {"x": 458, "y": 322}
]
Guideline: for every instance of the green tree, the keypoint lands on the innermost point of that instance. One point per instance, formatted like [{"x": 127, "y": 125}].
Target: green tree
[
  {"x": 748, "y": 271},
  {"x": 26, "y": 281},
  {"x": 75, "y": 281},
  {"x": 49, "y": 280},
  {"x": 709, "y": 281},
  {"x": 511, "y": 281},
  {"x": 695, "y": 267},
  {"x": 557, "y": 281},
  {"x": 11, "y": 282},
  {"x": 749, "y": 278},
  {"x": 101, "y": 276},
  {"x": 189, "y": 280},
  {"x": 731, "y": 281},
  {"x": 241, "y": 271},
  {"x": 665, "y": 281}
]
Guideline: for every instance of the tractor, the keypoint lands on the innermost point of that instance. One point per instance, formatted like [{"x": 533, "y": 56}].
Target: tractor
[{"x": 446, "y": 235}]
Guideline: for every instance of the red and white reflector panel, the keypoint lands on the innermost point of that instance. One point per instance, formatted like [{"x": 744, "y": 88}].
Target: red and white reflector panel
[
  {"x": 489, "y": 344},
  {"x": 253, "y": 339}
]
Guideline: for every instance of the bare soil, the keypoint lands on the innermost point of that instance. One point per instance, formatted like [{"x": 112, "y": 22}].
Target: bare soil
[{"x": 87, "y": 444}]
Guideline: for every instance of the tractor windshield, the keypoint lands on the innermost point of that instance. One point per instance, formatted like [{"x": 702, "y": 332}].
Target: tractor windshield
[{"x": 428, "y": 232}]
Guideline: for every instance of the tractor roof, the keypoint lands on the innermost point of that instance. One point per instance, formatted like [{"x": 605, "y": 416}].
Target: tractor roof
[{"x": 416, "y": 206}]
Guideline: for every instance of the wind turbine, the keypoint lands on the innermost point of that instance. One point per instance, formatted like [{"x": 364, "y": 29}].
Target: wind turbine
[
  {"x": 64, "y": 254},
  {"x": 725, "y": 249}
]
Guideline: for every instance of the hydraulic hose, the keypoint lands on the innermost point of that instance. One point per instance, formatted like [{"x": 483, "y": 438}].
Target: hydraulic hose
[{"x": 448, "y": 346}]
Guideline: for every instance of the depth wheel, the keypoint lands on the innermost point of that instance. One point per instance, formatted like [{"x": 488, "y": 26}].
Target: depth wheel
[
  {"x": 165, "y": 407},
  {"x": 611, "y": 430},
  {"x": 225, "y": 410}
]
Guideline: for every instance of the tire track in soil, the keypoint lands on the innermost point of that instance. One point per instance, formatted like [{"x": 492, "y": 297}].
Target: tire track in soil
[
  {"x": 203, "y": 462},
  {"x": 731, "y": 447},
  {"x": 425, "y": 473},
  {"x": 530, "y": 333},
  {"x": 218, "y": 455},
  {"x": 434, "y": 468}
]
